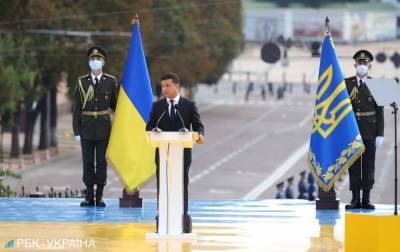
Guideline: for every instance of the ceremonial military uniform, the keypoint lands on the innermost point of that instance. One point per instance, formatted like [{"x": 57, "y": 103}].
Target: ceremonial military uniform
[
  {"x": 370, "y": 121},
  {"x": 289, "y": 189},
  {"x": 94, "y": 97},
  {"x": 302, "y": 186},
  {"x": 279, "y": 194}
]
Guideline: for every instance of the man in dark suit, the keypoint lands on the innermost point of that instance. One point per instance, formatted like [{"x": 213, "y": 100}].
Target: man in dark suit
[
  {"x": 95, "y": 94},
  {"x": 370, "y": 121},
  {"x": 171, "y": 121}
]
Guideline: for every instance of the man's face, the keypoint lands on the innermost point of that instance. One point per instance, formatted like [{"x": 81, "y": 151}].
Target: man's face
[{"x": 169, "y": 89}]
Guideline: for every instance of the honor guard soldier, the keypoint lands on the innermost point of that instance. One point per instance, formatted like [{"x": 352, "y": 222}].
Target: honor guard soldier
[
  {"x": 302, "y": 186},
  {"x": 95, "y": 95},
  {"x": 289, "y": 188},
  {"x": 311, "y": 186},
  {"x": 279, "y": 188},
  {"x": 370, "y": 120}
]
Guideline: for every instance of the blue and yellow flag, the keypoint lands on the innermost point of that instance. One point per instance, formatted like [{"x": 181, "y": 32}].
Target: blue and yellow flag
[
  {"x": 335, "y": 138},
  {"x": 128, "y": 150}
]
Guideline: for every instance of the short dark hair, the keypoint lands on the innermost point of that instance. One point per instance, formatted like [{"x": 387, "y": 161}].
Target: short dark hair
[{"x": 171, "y": 76}]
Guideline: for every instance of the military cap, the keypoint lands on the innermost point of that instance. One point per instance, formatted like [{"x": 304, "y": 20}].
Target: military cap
[
  {"x": 290, "y": 178},
  {"x": 280, "y": 184},
  {"x": 302, "y": 173},
  {"x": 363, "y": 55},
  {"x": 96, "y": 51}
]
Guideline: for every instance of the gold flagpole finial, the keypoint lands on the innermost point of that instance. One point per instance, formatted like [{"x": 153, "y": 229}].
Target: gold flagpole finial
[
  {"x": 135, "y": 19},
  {"x": 327, "y": 22}
]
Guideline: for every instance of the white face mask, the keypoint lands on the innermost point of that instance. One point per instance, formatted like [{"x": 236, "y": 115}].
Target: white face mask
[
  {"x": 95, "y": 64},
  {"x": 362, "y": 70}
]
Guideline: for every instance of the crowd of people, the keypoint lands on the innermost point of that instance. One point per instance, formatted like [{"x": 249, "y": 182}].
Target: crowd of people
[{"x": 306, "y": 188}]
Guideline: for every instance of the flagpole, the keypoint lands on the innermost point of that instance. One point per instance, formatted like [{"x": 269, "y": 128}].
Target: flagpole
[
  {"x": 327, "y": 200},
  {"x": 395, "y": 109},
  {"x": 327, "y": 25},
  {"x": 135, "y": 19},
  {"x": 131, "y": 199}
]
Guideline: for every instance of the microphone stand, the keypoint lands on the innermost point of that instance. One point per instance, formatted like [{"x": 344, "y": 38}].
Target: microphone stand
[
  {"x": 183, "y": 129},
  {"x": 156, "y": 128},
  {"x": 395, "y": 109}
]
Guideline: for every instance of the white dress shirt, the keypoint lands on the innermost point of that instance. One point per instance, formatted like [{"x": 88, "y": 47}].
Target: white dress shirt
[
  {"x": 94, "y": 78},
  {"x": 362, "y": 79}
]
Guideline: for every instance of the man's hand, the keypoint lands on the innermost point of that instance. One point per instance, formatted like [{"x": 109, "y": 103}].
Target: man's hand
[
  {"x": 378, "y": 141},
  {"x": 77, "y": 138},
  {"x": 200, "y": 140}
]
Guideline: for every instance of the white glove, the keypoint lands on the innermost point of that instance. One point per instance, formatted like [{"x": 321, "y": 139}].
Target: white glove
[
  {"x": 77, "y": 138},
  {"x": 378, "y": 141}
]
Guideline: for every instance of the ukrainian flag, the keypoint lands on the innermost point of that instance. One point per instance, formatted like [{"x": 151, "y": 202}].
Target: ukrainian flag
[
  {"x": 335, "y": 138},
  {"x": 128, "y": 150}
]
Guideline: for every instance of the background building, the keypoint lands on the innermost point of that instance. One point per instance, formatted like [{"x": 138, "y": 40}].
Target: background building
[{"x": 351, "y": 21}]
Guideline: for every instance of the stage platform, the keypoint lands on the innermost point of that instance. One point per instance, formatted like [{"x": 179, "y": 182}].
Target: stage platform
[{"x": 227, "y": 225}]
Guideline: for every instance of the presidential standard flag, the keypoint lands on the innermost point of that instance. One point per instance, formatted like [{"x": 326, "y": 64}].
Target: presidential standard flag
[
  {"x": 128, "y": 150},
  {"x": 335, "y": 142}
]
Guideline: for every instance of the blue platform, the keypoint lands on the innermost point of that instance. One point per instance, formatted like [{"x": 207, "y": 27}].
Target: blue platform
[{"x": 227, "y": 225}]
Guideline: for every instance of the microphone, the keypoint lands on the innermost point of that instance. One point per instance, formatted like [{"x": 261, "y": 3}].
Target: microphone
[
  {"x": 183, "y": 129},
  {"x": 156, "y": 128}
]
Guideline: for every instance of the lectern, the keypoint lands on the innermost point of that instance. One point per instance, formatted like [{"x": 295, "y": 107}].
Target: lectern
[{"x": 170, "y": 196}]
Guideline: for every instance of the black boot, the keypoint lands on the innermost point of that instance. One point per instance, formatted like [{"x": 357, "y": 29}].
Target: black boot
[
  {"x": 157, "y": 224},
  {"x": 366, "y": 204},
  {"x": 89, "y": 198},
  {"x": 187, "y": 223},
  {"x": 99, "y": 196},
  {"x": 355, "y": 201}
]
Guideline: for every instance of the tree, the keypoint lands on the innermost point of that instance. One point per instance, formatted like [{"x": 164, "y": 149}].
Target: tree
[
  {"x": 195, "y": 38},
  {"x": 16, "y": 74},
  {"x": 6, "y": 191}
]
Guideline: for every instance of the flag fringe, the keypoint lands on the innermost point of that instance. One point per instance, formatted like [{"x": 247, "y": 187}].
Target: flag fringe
[{"x": 327, "y": 187}]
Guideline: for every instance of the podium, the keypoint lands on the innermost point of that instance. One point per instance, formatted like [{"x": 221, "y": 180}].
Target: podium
[{"x": 170, "y": 196}]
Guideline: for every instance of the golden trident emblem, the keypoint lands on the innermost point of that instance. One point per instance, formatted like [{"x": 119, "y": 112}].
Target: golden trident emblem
[{"x": 326, "y": 119}]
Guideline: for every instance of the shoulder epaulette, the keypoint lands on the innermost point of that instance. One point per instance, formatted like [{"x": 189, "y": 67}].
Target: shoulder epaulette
[
  {"x": 348, "y": 78},
  {"x": 83, "y": 76},
  {"x": 109, "y": 75}
]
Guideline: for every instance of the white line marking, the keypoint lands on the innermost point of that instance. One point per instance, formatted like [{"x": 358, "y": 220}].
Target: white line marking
[
  {"x": 226, "y": 158},
  {"x": 308, "y": 117},
  {"x": 208, "y": 107},
  {"x": 279, "y": 172},
  {"x": 234, "y": 135}
]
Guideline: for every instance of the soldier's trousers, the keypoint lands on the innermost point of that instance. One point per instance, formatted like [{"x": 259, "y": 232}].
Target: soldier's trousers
[
  {"x": 94, "y": 174},
  {"x": 362, "y": 172}
]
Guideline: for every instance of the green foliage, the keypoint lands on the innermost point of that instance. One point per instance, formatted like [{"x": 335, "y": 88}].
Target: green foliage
[
  {"x": 6, "y": 173},
  {"x": 195, "y": 38},
  {"x": 198, "y": 40},
  {"x": 5, "y": 191},
  {"x": 17, "y": 72}
]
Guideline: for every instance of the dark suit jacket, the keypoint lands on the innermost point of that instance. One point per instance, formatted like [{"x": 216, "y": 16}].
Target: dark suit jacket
[
  {"x": 104, "y": 97},
  {"x": 363, "y": 101},
  {"x": 190, "y": 116}
]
